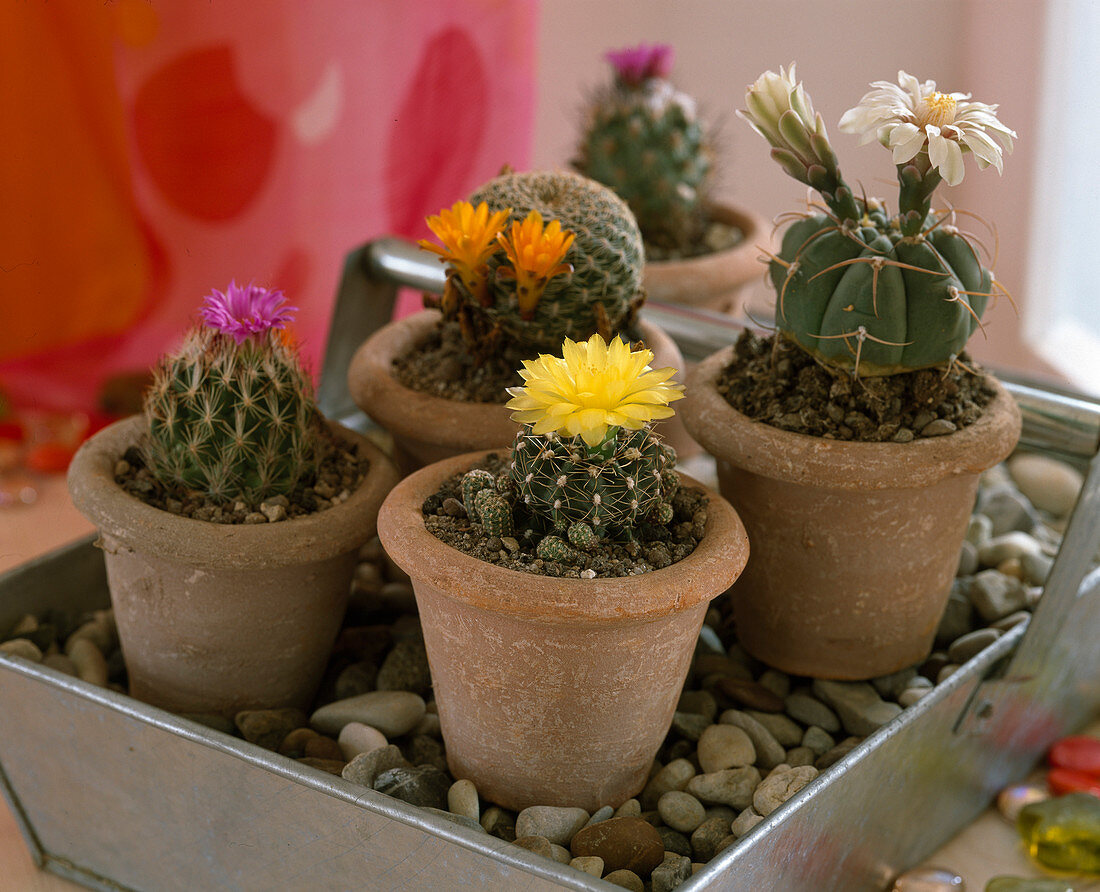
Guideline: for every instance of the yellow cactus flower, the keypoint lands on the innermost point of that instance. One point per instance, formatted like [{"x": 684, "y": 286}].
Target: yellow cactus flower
[
  {"x": 536, "y": 255},
  {"x": 591, "y": 388},
  {"x": 469, "y": 237}
]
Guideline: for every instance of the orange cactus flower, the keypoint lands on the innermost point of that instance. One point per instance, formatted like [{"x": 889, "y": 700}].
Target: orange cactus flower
[
  {"x": 469, "y": 238},
  {"x": 537, "y": 255}
]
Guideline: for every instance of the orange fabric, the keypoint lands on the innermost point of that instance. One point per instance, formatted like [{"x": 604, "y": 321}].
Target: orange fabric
[{"x": 73, "y": 259}]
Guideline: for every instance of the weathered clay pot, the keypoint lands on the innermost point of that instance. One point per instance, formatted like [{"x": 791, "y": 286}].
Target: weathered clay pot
[
  {"x": 428, "y": 428},
  {"x": 854, "y": 545},
  {"x": 713, "y": 281},
  {"x": 216, "y": 618},
  {"x": 554, "y": 691}
]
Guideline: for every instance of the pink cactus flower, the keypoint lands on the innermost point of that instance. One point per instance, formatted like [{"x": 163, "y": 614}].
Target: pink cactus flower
[
  {"x": 639, "y": 63},
  {"x": 243, "y": 311}
]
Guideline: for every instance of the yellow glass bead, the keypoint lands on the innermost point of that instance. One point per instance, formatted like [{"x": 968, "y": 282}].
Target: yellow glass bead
[{"x": 1063, "y": 833}]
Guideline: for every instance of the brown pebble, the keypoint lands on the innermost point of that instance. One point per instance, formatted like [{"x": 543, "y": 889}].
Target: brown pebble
[
  {"x": 60, "y": 662},
  {"x": 750, "y": 694},
  {"x": 626, "y": 879},
  {"x": 1011, "y": 567},
  {"x": 332, "y": 766},
  {"x": 91, "y": 665},
  {"x": 623, "y": 843},
  {"x": 540, "y": 845},
  {"x": 294, "y": 744},
  {"x": 321, "y": 747},
  {"x": 268, "y": 727},
  {"x": 22, "y": 647}
]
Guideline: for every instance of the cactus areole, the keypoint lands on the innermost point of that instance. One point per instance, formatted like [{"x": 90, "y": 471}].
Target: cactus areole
[{"x": 858, "y": 288}]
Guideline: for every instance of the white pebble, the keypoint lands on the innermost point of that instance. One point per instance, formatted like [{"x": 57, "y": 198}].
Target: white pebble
[{"x": 356, "y": 738}]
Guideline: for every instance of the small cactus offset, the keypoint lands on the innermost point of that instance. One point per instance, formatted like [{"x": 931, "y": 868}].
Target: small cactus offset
[
  {"x": 495, "y": 513},
  {"x": 474, "y": 482},
  {"x": 554, "y": 548},
  {"x": 603, "y": 290},
  {"x": 858, "y": 288},
  {"x": 586, "y": 461},
  {"x": 232, "y": 414},
  {"x": 643, "y": 138}
]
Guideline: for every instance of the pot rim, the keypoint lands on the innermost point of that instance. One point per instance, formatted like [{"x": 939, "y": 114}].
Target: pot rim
[
  {"x": 744, "y": 254},
  {"x": 803, "y": 459},
  {"x": 139, "y": 526},
  {"x": 401, "y": 410},
  {"x": 708, "y": 571}
]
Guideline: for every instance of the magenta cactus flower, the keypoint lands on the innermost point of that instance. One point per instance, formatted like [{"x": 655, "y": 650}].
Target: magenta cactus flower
[
  {"x": 634, "y": 65},
  {"x": 243, "y": 311}
]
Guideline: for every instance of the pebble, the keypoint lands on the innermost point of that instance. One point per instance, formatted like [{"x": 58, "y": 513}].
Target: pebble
[
  {"x": 972, "y": 644},
  {"x": 356, "y": 738},
  {"x": 785, "y": 731},
  {"x": 392, "y": 712},
  {"x": 589, "y": 864},
  {"x": 1011, "y": 567},
  {"x": 100, "y": 630},
  {"x": 837, "y": 753},
  {"x": 1010, "y": 545},
  {"x": 811, "y": 711},
  {"x": 331, "y": 766},
  {"x": 499, "y": 822},
  {"x": 366, "y": 767},
  {"x": 462, "y": 799},
  {"x": 893, "y": 684},
  {"x": 1022, "y": 884},
  {"x": 670, "y": 873},
  {"x": 769, "y": 751},
  {"x": 320, "y": 747},
  {"x": 420, "y": 749},
  {"x": 560, "y": 853},
  {"x": 690, "y": 725},
  {"x": 724, "y": 746},
  {"x": 957, "y": 616},
  {"x": 540, "y": 845},
  {"x": 673, "y": 776},
  {"x": 1007, "y": 510},
  {"x": 429, "y": 726},
  {"x": 938, "y": 428},
  {"x": 911, "y": 695},
  {"x": 355, "y": 679},
  {"x": 979, "y": 530},
  {"x": 750, "y": 694},
  {"x": 860, "y": 709},
  {"x": 929, "y": 879},
  {"x": 800, "y": 755},
  {"x": 681, "y": 811},
  {"x": 461, "y": 820},
  {"x": 675, "y": 841},
  {"x": 779, "y": 683},
  {"x": 62, "y": 663},
  {"x": 995, "y": 595},
  {"x": 946, "y": 671},
  {"x": 273, "y": 511},
  {"x": 91, "y": 665},
  {"x": 1011, "y": 800},
  {"x": 623, "y": 843},
  {"x": 603, "y": 813},
  {"x": 731, "y": 786},
  {"x": 557, "y": 824},
  {"x": 708, "y": 836},
  {"x": 625, "y": 879},
  {"x": 406, "y": 668},
  {"x": 268, "y": 727},
  {"x": 698, "y": 702},
  {"x": 22, "y": 647},
  {"x": 968, "y": 559},
  {"x": 745, "y": 821},
  {"x": 1049, "y": 484},
  {"x": 632, "y": 808},
  {"x": 294, "y": 744},
  {"x": 1036, "y": 568},
  {"x": 779, "y": 786},
  {"x": 817, "y": 739},
  {"x": 708, "y": 664},
  {"x": 419, "y": 785}
]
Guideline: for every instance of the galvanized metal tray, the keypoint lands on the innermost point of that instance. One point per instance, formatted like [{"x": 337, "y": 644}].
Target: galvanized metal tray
[{"x": 115, "y": 794}]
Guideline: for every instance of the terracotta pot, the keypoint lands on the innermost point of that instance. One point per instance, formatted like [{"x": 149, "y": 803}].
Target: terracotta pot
[
  {"x": 216, "y": 618},
  {"x": 713, "y": 281},
  {"x": 428, "y": 428},
  {"x": 554, "y": 691},
  {"x": 854, "y": 545}
]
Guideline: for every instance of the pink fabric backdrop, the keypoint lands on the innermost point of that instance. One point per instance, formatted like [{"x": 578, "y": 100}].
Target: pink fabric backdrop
[{"x": 263, "y": 141}]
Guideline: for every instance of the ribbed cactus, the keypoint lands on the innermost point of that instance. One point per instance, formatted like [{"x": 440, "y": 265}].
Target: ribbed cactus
[
  {"x": 867, "y": 294},
  {"x": 643, "y": 138},
  {"x": 494, "y": 513},
  {"x": 562, "y": 480},
  {"x": 232, "y": 414},
  {"x": 604, "y": 289},
  {"x": 474, "y": 482}
]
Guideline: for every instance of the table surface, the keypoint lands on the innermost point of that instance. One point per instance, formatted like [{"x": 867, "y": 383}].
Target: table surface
[{"x": 987, "y": 848}]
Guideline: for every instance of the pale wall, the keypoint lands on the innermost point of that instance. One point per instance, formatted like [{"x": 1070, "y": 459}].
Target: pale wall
[{"x": 987, "y": 47}]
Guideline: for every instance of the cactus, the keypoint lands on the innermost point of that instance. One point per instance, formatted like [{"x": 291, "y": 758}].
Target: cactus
[
  {"x": 560, "y": 479},
  {"x": 582, "y": 536},
  {"x": 603, "y": 291},
  {"x": 643, "y": 138},
  {"x": 554, "y": 548},
  {"x": 474, "y": 482},
  {"x": 868, "y": 297},
  {"x": 232, "y": 413},
  {"x": 495, "y": 513},
  {"x": 858, "y": 289}
]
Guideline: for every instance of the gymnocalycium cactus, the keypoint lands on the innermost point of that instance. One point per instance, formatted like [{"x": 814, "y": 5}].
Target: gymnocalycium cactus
[
  {"x": 858, "y": 288},
  {"x": 643, "y": 138},
  {"x": 537, "y": 257},
  {"x": 231, "y": 414},
  {"x": 585, "y": 465}
]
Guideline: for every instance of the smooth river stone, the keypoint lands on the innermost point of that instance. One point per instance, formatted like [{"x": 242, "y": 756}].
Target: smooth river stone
[
  {"x": 1049, "y": 484},
  {"x": 779, "y": 786},
  {"x": 462, "y": 799},
  {"x": 860, "y": 709},
  {"x": 929, "y": 879},
  {"x": 356, "y": 738},
  {"x": 1010, "y": 545},
  {"x": 769, "y": 751},
  {"x": 623, "y": 843},
  {"x": 681, "y": 811},
  {"x": 995, "y": 595},
  {"x": 732, "y": 786},
  {"x": 724, "y": 746},
  {"x": 365, "y": 767},
  {"x": 558, "y": 824},
  {"x": 1011, "y": 800},
  {"x": 811, "y": 711},
  {"x": 392, "y": 712}
]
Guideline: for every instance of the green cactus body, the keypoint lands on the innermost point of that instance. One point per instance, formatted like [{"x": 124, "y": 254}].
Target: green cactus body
[
  {"x": 560, "y": 481},
  {"x": 474, "y": 482},
  {"x": 495, "y": 513},
  {"x": 234, "y": 421},
  {"x": 607, "y": 258},
  {"x": 916, "y": 299},
  {"x": 646, "y": 142},
  {"x": 554, "y": 548},
  {"x": 582, "y": 536}
]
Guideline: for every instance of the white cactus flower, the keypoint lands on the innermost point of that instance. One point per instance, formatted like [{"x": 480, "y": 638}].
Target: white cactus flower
[
  {"x": 910, "y": 117},
  {"x": 769, "y": 97}
]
